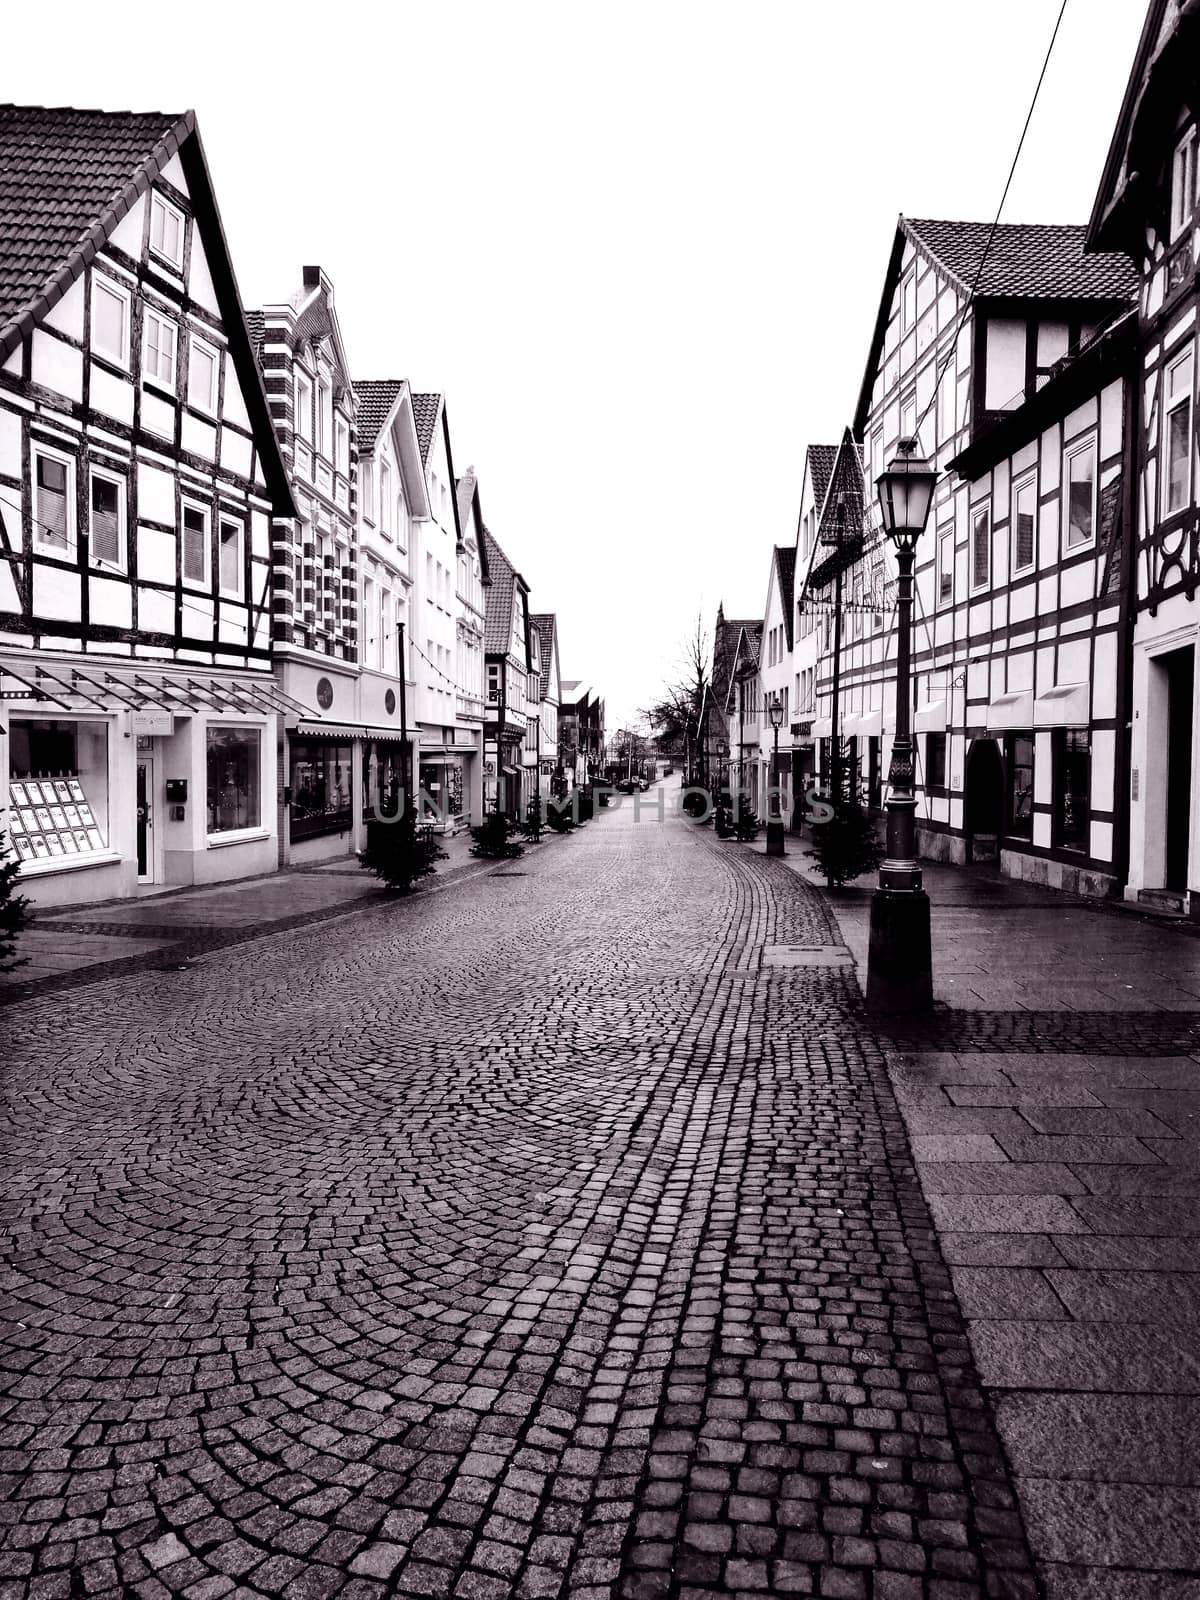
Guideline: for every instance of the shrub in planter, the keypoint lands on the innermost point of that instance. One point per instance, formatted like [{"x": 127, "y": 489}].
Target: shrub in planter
[
  {"x": 401, "y": 853},
  {"x": 559, "y": 817},
  {"x": 746, "y": 824},
  {"x": 533, "y": 823},
  {"x": 14, "y": 910},
  {"x": 845, "y": 846},
  {"x": 493, "y": 839},
  {"x": 698, "y": 804},
  {"x": 723, "y": 820},
  {"x": 586, "y": 804}
]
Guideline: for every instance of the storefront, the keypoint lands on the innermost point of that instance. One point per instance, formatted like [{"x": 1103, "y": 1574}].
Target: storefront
[{"x": 124, "y": 780}]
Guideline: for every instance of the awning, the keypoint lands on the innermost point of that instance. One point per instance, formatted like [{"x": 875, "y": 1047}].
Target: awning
[
  {"x": 142, "y": 686},
  {"x": 869, "y": 724},
  {"x": 1067, "y": 705},
  {"x": 930, "y": 718},
  {"x": 325, "y": 730},
  {"x": 1013, "y": 710},
  {"x": 822, "y": 727},
  {"x": 511, "y": 772}
]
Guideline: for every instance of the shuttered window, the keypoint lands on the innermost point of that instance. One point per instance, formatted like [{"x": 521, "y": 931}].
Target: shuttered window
[
  {"x": 106, "y": 532},
  {"x": 53, "y": 478},
  {"x": 195, "y": 544},
  {"x": 981, "y": 548}
]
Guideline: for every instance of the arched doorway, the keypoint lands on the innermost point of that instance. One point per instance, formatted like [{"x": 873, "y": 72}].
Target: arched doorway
[{"x": 984, "y": 807}]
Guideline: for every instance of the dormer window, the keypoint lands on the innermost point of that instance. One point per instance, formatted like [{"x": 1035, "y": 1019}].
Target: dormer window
[
  {"x": 1183, "y": 183},
  {"x": 166, "y": 230}
]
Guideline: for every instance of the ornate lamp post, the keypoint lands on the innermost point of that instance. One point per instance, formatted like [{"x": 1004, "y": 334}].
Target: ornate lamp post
[
  {"x": 899, "y": 963},
  {"x": 775, "y": 818}
]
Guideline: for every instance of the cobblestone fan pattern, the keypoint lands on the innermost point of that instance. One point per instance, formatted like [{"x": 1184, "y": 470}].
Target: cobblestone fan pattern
[{"x": 529, "y": 1239}]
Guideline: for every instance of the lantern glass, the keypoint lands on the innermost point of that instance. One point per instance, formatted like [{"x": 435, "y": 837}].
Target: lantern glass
[
  {"x": 775, "y": 712},
  {"x": 905, "y": 489}
]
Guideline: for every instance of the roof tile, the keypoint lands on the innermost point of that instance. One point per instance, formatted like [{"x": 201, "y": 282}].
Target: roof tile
[
  {"x": 1033, "y": 260},
  {"x": 375, "y": 397}
]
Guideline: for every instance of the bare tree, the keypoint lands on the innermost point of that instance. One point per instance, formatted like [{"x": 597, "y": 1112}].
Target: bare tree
[{"x": 682, "y": 700}]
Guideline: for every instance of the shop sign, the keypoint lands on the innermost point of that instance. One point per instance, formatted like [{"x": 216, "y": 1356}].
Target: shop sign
[
  {"x": 324, "y": 693},
  {"x": 153, "y": 722}
]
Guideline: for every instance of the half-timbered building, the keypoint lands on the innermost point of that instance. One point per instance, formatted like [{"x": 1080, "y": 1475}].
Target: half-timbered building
[
  {"x": 775, "y": 674},
  {"x": 1001, "y": 352},
  {"x": 392, "y": 501},
  {"x": 139, "y": 474},
  {"x": 470, "y": 622},
  {"x": 550, "y": 773},
  {"x": 802, "y": 728},
  {"x": 315, "y": 623},
  {"x": 1148, "y": 204},
  {"x": 743, "y": 710},
  {"x": 507, "y": 667}
]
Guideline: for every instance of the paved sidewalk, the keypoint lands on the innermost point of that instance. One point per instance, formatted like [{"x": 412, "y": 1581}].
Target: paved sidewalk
[
  {"x": 83, "y": 944},
  {"x": 1061, "y": 1162}
]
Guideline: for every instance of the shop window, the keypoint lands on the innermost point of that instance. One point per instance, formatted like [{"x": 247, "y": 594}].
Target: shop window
[
  {"x": 441, "y": 790},
  {"x": 935, "y": 761},
  {"x": 1177, "y": 436},
  {"x": 58, "y": 788},
  {"x": 107, "y": 519},
  {"x": 54, "y": 510},
  {"x": 320, "y": 784},
  {"x": 234, "y": 763},
  {"x": 1019, "y": 748},
  {"x": 383, "y": 779},
  {"x": 1081, "y": 496},
  {"x": 1072, "y": 788}
]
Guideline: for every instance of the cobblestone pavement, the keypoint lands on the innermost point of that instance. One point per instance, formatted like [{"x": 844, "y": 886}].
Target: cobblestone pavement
[{"x": 534, "y": 1238}]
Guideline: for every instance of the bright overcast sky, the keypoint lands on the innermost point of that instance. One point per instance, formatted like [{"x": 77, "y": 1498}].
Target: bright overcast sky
[{"x": 640, "y": 246}]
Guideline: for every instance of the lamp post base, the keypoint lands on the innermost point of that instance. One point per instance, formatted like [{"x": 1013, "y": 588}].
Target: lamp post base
[
  {"x": 775, "y": 837},
  {"x": 900, "y": 962}
]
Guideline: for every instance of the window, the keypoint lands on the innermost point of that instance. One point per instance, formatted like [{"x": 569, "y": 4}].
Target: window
[
  {"x": 202, "y": 376},
  {"x": 1024, "y": 525},
  {"x": 54, "y": 502},
  {"x": 1183, "y": 183},
  {"x": 385, "y": 500},
  {"x": 324, "y": 417},
  {"x": 1072, "y": 785},
  {"x": 320, "y": 779},
  {"x": 947, "y": 384},
  {"x": 303, "y": 403},
  {"x": 401, "y": 517},
  {"x": 366, "y": 488},
  {"x": 908, "y": 417},
  {"x": 341, "y": 447},
  {"x": 981, "y": 547},
  {"x": 1177, "y": 436},
  {"x": 935, "y": 760},
  {"x": 946, "y": 564},
  {"x": 908, "y": 302},
  {"x": 159, "y": 340},
  {"x": 230, "y": 565},
  {"x": 110, "y": 321},
  {"x": 1019, "y": 752},
  {"x": 106, "y": 523},
  {"x": 57, "y": 788},
  {"x": 195, "y": 545},
  {"x": 877, "y": 462},
  {"x": 1081, "y": 495},
  {"x": 493, "y": 680},
  {"x": 233, "y": 779},
  {"x": 166, "y": 230}
]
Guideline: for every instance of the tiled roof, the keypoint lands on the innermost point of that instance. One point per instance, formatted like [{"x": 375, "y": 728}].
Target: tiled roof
[
  {"x": 376, "y": 397},
  {"x": 846, "y": 501},
  {"x": 256, "y": 327},
  {"x": 61, "y": 171},
  {"x": 725, "y": 642},
  {"x": 425, "y": 413},
  {"x": 820, "y": 467},
  {"x": 1038, "y": 260},
  {"x": 497, "y": 626},
  {"x": 785, "y": 561},
  {"x": 547, "y": 627}
]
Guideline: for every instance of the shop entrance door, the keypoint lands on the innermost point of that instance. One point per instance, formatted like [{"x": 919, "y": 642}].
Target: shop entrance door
[
  {"x": 145, "y": 818},
  {"x": 1180, "y": 667}
]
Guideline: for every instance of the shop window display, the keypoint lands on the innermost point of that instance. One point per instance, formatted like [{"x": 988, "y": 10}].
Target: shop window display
[
  {"x": 233, "y": 779},
  {"x": 320, "y": 781},
  {"x": 383, "y": 779},
  {"x": 58, "y": 788}
]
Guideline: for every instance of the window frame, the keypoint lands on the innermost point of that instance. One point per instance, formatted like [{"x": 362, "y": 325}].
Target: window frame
[
  {"x": 1010, "y": 767},
  {"x": 43, "y": 546},
  {"x": 935, "y": 741},
  {"x": 341, "y": 445},
  {"x": 302, "y": 415},
  {"x": 1059, "y": 744},
  {"x": 908, "y": 282},
  {"x": 1169, "y": 408},
  {"x": 1087, "y": 445},
  {"x": 159, "y": 202},
  {"x": 979, "y": 584},
  {"x": 385, "y": 499},
  {"x": 1182, "y": 205},
  {"x": 204, "y": 583},
  {"x": 208, "y": 407},
  {"x": 155, "y": 379},
  {"x": 103, "y": 284},
  {"x": 110, "y": 475},
  {"x": 323, "y": 443},
  {"x": 1026, "y": 481},
  {"x": 945, "y": 593},
  {"x": 225, "y": 520}
]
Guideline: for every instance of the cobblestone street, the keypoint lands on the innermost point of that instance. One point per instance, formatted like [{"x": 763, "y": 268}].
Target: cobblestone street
[{"x": 422, "y": 1256}]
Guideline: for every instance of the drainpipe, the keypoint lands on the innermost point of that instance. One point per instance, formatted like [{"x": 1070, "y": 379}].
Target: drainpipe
[{"x": 1127, "y": 618}]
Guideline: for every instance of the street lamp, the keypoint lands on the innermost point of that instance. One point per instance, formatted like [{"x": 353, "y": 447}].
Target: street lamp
[
  {"x": 775, "y": 818},
  {"x": 899, "y": 962}
]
